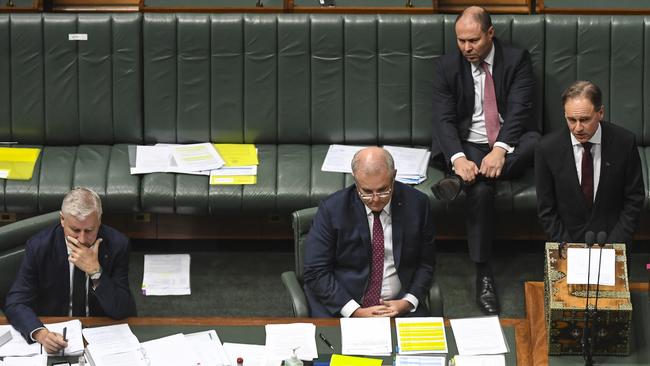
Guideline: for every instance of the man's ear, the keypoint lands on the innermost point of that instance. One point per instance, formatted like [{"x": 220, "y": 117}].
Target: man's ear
[{"x": 61, "y": 218}]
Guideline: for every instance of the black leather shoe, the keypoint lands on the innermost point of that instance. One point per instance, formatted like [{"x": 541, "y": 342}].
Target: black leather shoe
[
  {"x": 486, "y": 295},
  {"x": 447, "y": 188}
]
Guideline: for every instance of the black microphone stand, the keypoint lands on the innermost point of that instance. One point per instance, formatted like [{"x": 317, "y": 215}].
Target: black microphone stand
[
  {"x": 586, "y": 334},
  {"x": 601, "y": 239}
]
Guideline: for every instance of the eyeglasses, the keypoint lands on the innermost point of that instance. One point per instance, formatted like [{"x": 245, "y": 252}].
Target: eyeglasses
[{"x": 380, "y": 195}]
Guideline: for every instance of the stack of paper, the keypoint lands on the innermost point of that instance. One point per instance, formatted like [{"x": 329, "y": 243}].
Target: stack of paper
[
  {"x": 420, "y": 335},
  {"x": 18, "y": 162},
  {"x": 282, "y": 339},
  {"x": 252, "y": 354},
  {"x": 208, "y": 348},
  {"x": 487, "y": 360},
  {"x": 166, "y": 274},
  {"x": 113, "y": 345},
  {"x": 366, "y": 336},
  {"x": 411, "y": 163},
  {"x": 5, "y": 334},
  {"x": 17, "y": 346},
  {"x": 36, "y": 360},
  {"x": 401, "y": 360},
  {"x": 173, "y": 350},
  {"x": 175, "y": 158},
  {"x": 479, "y": 336},
  {"x": 240, "y": 164}
]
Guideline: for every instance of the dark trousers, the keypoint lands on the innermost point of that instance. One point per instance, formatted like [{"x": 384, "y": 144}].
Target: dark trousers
[{"x": 479, "y": 214}]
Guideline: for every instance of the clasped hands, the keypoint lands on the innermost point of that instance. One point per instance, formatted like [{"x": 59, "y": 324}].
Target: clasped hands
[
  {"x": 491, "y": 165},
  {"x": 386, "y": 308}
]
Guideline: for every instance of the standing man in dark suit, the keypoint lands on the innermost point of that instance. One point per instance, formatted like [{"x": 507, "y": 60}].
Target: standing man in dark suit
[
  {"x": 76, "y": 268},
  {"x": 588, "y": 177},
  {"x": 370, "y": 251},
  {"x": 483, "y": 130}
]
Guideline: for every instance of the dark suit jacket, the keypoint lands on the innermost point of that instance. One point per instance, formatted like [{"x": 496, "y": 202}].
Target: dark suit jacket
[
  {"x": 453, "y": 98},
  {"x": 561, "y": 207},
  {"x": 42, "y": 286},
  {"x": 338, "y": 249}
]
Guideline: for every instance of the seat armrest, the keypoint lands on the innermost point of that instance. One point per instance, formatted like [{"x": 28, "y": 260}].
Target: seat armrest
[
  {"x": 297, "y": 294},
  {"x": 436, "y": 306}
]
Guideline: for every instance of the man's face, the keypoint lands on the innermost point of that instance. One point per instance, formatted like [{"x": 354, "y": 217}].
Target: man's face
[
  {"x": 85, "y": 231},
  {"x": 379, "y": 186},
  {"x": 582, "y": 118},
  {"x": 473, "y": 43}
]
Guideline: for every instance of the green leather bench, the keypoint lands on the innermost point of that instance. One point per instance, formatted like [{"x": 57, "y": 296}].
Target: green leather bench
[{"x": 290, "y": 83}]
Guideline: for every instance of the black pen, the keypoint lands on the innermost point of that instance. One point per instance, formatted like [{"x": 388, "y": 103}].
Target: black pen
[
  {"x": 65, "y": 331},
  {"x": 326, "y": 341}
]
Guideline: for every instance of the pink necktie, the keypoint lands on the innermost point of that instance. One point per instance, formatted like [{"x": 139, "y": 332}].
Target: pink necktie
[
  {"x": 490, "y": 110},
  {"x": 373, "y": 291}
]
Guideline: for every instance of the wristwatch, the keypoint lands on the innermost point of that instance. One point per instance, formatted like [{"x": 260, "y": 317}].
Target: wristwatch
[{"x": 96, "y": 275}]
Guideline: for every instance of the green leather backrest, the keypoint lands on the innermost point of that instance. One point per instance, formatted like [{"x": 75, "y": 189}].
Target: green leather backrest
[
  {"x": 613, "y": 52},
  {"x": 301, "y": 221},
  {"x": 299, "y": 78},
  {"x": 54, "y": 91}
]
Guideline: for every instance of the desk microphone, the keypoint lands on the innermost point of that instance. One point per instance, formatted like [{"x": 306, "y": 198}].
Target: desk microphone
[
  {"x": 590, "y": 238},
  {"x": 259, "y": 4}
]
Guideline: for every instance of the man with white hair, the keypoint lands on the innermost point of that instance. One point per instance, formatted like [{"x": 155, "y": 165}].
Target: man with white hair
[{"x": 79, "y": 267}]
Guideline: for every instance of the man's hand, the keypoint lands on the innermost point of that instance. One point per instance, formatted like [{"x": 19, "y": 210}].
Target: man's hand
[
  {"x": 492, "y": 163},
  {"x": 52, "y": 342},
  {"x": 398, "y": 307},
  {"x": 388, "y": 308},
  {"x": 371, "y": 311},
  {"x": 466, "y": 169},
  {"x": 85, "y": 258}
]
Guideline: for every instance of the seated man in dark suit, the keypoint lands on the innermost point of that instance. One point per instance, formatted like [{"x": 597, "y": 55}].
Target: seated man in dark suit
[
  {"x": 76, "y": 268},
  {"x": 483, "y": 131},
  {"x": 370, "y": 251},
  {"x": 588, "y": 176}
]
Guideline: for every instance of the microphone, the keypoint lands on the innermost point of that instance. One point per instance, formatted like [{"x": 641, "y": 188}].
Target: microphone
[
  {"x": 590, "y": 238},
  {"x": 601, "y": 238},
  {"x": 258, "y": 4}
]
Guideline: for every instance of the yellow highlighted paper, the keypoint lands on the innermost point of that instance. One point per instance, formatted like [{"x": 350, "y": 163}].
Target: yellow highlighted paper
[
  {"x": 341, "y": 360},
  {"x": 17, "y": 162},
  {"x": 233, "y": 179},
  {"x": 421, "y": 335},
  {"x": 238, "y": 154}
]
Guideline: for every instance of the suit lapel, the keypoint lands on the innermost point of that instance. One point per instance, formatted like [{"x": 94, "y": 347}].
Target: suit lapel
[
  {"x": 468, "y": 84},
  {"x": 361, "y": 218},
  {"x": 605, "y": 152},
  {"x": 396, "y": 219},
  {"x": 497, "y": 71},
  {"x": 62, "y": 266},
  {"x": 569, "y": 170}
]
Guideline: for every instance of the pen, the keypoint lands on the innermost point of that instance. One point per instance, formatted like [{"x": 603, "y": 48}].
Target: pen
[
  {"x": 65, "y": 331},
  {"x": 326, "y": 341}
]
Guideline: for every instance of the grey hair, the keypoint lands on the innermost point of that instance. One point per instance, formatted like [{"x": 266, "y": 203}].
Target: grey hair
[
  {"x": 389, "y": 163},
  {"x": 81, "y": 202}
]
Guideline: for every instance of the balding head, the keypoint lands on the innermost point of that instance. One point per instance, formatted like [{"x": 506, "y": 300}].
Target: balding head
[
  {"x": 475, "y": 14},
  {"x": 372, "y": 160}
]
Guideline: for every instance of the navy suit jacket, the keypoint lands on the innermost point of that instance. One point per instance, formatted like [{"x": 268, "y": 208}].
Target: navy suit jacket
[
  {"x": 453, "y": 98},
  {"x": 562, "y": 210},
  {"x": 42, "y": 286},
  {"x": 338, "y": 249}
]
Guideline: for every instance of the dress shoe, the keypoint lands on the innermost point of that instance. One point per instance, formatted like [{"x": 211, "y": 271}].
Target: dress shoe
[
  {"x": 486, "y": 295},
  {"x": 448, "y": 188}
]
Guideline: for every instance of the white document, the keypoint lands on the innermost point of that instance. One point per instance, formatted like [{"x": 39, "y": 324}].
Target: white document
[
  {"x": 252, "y": 354},
  {"x": 36, "y": 360},
  {"x": 366, "y": 336},
  {"x": 172, "y": 350},
  {"x": 73, "y": 334},
  {"x": 5, "y": 334},
  {"x": 209, "y": 348},
  {"x": 578, "y": 262},
  {"x": 17, "y": 346},
  {"x": 401, "y": 360},
  {"x": 487, "y": 360},
  {"x": 479, "y": 336},
  {"x": 151, "y": 159},
  {"x": 112, "y": 338},
  {"x": 235, "y": 170},
  {"x": 96, "y": 356},
  {"x": 408, "y": 160},
  {"x": 193, "y": 157},
  {"x": 282, "y": 339},
  {"x": 166, "y": 274},
  {"x": 339, "y": 158}
]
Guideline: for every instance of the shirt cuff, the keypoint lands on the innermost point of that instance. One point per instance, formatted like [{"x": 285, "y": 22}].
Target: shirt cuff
[
  {"x": 413, "y": 300},
  {"x": 456, "y": 156},
  {"x": 509, "y": 149},
  {"x": 349, "y": 308},
  {"x": 31, "y": 334}
]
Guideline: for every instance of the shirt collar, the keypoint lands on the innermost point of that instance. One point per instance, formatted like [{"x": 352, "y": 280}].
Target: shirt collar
[
  {"x": 595, "y": 139},
  {"x": 489, "y": 59},
  {"x": 386, "y": 208}
]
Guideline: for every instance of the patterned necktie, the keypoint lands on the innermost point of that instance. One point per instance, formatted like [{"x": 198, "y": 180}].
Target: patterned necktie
[
  {"x": 373, "y": 291},
  {"x": 587, "y": 183},
  {"x": 490, "y": 110},
  {"x": 78, "y": 292}
]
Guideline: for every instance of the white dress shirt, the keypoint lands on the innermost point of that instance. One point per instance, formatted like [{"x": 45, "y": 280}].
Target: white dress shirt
[
  {"x": 477, "y": 131},
  {"x": 391, "y": 285},
  {"x": 596, "y": 154}
]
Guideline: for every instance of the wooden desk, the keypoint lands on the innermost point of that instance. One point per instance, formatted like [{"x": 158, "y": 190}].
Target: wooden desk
[
  {"x": 251, "y": 330},
  {"x": 534, "y": 293}
]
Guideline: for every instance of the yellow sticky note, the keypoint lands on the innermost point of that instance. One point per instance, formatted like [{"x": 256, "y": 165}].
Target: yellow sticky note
[
  {"x": 232, "y": 179},
  {"x": 341, "y": 360},
  {"x": 18, "y": 162},
  {"x": 238, "y": 154}
]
